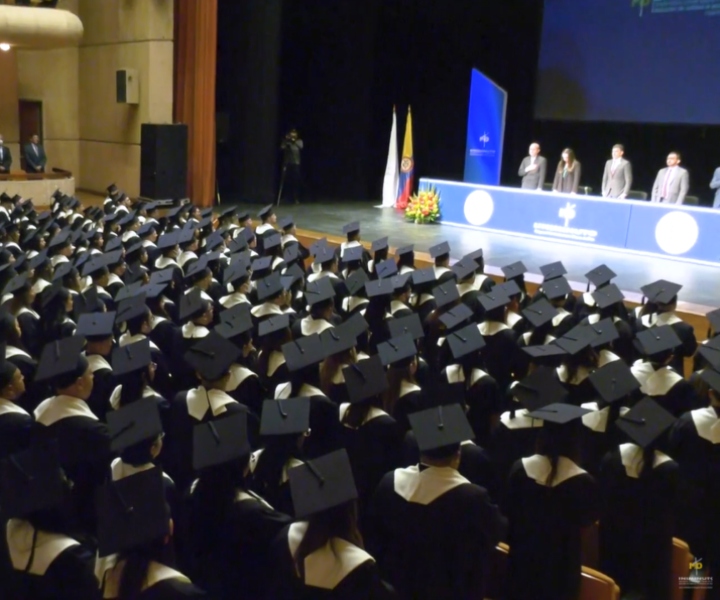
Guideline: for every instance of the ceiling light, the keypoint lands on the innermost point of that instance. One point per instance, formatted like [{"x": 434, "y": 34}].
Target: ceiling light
[{"x": 4, "y": 47}]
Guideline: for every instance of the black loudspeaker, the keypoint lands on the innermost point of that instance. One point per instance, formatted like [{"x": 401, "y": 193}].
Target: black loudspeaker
[{"x": 163, "y": 161}]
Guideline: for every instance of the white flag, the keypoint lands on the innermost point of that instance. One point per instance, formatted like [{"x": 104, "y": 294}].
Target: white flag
[{"x": 392, "y": 173}]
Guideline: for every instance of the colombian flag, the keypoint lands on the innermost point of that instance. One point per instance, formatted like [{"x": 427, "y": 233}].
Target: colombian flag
[{"x": 407, "y": 167}]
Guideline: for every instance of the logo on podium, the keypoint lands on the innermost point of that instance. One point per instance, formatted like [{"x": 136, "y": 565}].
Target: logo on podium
[{"x": 567, "y": 213}]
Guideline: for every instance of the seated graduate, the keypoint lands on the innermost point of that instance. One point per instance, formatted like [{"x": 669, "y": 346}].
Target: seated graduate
[
  {"x": 197, "y": 315},
  {"x": 57, "y": 303},
  {"x": 322, "y": 555},
  {"x": 440, "y": 253},
  {"x": 272, "y": 248},
  {"x": 550, "y": 499},
  {"x": 289, "y": 233},
  {"x": 272, "y": 293},
  {"x": 380, "y": 250},
  {"x": 98, "y": 330},
  {"x": 44, "y": 560},
  {"x": 432, "y": 530},
  {"x": 273, "y": 333},
  {"x": 319, "y": 296},
  {"x": 135, "y": 541},
  {"x": 356, "y": 300},
  {"x": 231, "y": 528},
  {"x": 15, "y": 422},
  {"x": 578, "y": 362},
  {"x": 405, "y": 257},
  {"x": 189, "y": 245},
  {"x": 558, "y": 291},
  {"x": 237, "y": 278},
  {"x": 268, "y": 219},
  {"x": 465, "y": 273},
  {"x": 20, "y": 306},
  {"x": 352, "y": 233},
  {"x": 422, "y": 300},
  {"x": 163, "y": 330},
  {"x": 134, "y": 371},
  {"x": 639, "y": 485},
  {"x": 168, "y": 246}
]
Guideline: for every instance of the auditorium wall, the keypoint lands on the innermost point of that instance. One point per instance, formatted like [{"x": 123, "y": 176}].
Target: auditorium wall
[{"x": 9, "y": 125}]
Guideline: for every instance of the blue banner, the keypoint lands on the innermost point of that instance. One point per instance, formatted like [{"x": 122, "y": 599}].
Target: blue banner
[{"x": 485, "y": 130}]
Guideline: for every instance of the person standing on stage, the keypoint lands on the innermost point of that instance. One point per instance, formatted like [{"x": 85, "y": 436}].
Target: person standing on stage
[
  {"x": 715, "y": 185},
  {"x": 567, "y": 174},
  {"x": 35, "y": 158},
  {"x": 291, "y": 147},
  {"x": 533, "y": 169},
  {"x": 5, "y": 157},
  {"x": 672, "y": 182},
  {"x": 617, "y": 178}
]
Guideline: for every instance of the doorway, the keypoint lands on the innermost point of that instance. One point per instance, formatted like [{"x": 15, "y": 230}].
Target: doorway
[{"x": 31, "y": 122}]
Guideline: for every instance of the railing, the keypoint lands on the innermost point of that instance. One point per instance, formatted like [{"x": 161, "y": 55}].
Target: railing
[{"x": 23, "y": 176}]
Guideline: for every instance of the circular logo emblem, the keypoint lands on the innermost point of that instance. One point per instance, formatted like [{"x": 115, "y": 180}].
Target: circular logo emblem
[
  {"x": 479, "y": 207},
  {"x": 676, "y": 233},
  {"x": 406, "y": 164}
]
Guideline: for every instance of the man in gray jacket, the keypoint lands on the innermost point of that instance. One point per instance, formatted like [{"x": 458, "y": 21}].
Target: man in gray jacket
[
  {"x": 672, "y": 182},
  {"x": 533, "y": 169},
  {"x": 617, "y": 178}
]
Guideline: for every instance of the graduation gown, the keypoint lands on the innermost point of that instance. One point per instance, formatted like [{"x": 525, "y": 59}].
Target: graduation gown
[
  {"x": 35, "y": 392},
  {"x": 684, "y": 331},
  {"x": 545, "y": 528},
  {"x": 671, "y": 391},
  {"x": 339, "y": 570},
  {"x": 579, "y": 388},
  {"x": 276, "y": 493},
  {"x": 103, "y": 385},
  {"x": 501, "y": 353},
  {"x": 16, "y": 426},
  {"x": 162, "y": 582},
  {"x": 244, "y": 385},
  {"x": 411, "y": 400},
  {"x": 31, "y": 337},
  {"x": 431, "y": 531},
  {"x": 637, "y": 521},
  {"x": 61, "y": 568}
]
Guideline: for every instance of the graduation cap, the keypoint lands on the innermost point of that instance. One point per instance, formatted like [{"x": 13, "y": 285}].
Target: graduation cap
[
  {"x": 493, "y": 299},
  {"x": 607, "y": 296},
  {"x": 62, "y": 357},
  {"x": 97, "y": 324},
  {"x": 378, "y": 245},
  {"x": 398, "y": 351},
  {"x": 303, "y": 352},
  {"x": 131, "y": 358},
  {"x": 18, "y": 282},
  {"x": 322, "y": 483},
  {"x": 262, "y": 266},
  {"x": 556, "y": 288},
  {"x": 243, "y": 215},
  {"x": 614, "y": 381},
  {"x": 292, "y": 275},
  {"x": 337, "y": 339},
  {"x": 516, "y": 269},
  {"x": 265, "y": 212},
  {"x": 355, "y": 325},
  {"x": 291, "y": 253},
  {"x": 270, "y": 286},
  {"x": 212, "y": 356},
  {"x": 410, "y": 324},
  {"x": 657, "y": 340},
  {"x": 113, "y": 244},
  {"x": 405, "y": 250},
  {"x": 131, "y": 307},
  {"x": 128, "y": 218},
  {"x": 351, "y": 228},
  {"x": 712, "y": 377},
  {"x": 31, "y": 481},
  {"x": 352, "y": 254},
  {"x": 134, "y": 423},
  {"x": 49, "y": 294},
  {"x": 221, "y": 440},
  {"x": 378, "y": 287},
  {"x": 540, "y": 312},
  {"x": 323, "y": 254},
  {"x": 439, "y": 250},
  {"x": 365, "y": 379},
  {"x": 272, "y": 240},
  {"x": 386, "y": 268},
  {"x": 240, "y": 270},
  {"x": 230, "y": 327},
  {"x": 457, "y": 315},
  {"x": 214, "y": 240},
  {"x": 196, "y": 267},
  {"x": 464, "y": 341},
  {"x": 131, "y": 512},
  {"x": 558, "y": 413},
  {"x": 238, "y": 244},
  {"x": 645, "y": 422},
  {"x": 443, "y": 425},
  {"x": 422, "y": 277},
  {"x": 60, "y": 239},
  {"x": 606, "y": 332},
  {"x": 160, "y": 277},
  {"x": 168, "y": 240},
  {"x": 577, "y": 339},
  {"x": 191, "y": 305},
  {"x": 553, "y": 270},
  {"x": 539, "y": 389},
  {"x": 546, "y": 354},
  {"x": 286, "y": 223},
  {"x": 185, "y": 236},
  {"x": 710, "y": 351},
  {"x": 446, "y": 293},
  {"x": 713, "y": 318},
  {"x": 600, "y": 276},
  {"x": 661, "y": 292},
  {"x": 356, "y": 281},
  {"x": 464, "y": 268},
  {"x": 318, "y": 291},
  {"x": 273, "y": 324},
  {"x": 285, "y": 417}
]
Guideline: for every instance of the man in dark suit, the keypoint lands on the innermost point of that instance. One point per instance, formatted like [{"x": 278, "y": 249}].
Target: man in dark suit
[
  {"x": 5, "y": 157},
  {"x": 35, "y": 158},
  {"x": 672, "y": 183},
  {"x": 533, "y": 169},
  {"x": 617, "y": 177}
]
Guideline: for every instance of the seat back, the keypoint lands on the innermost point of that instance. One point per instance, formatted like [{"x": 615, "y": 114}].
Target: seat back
[
  {"x": 597, "y": 586},
  {"x": 637, "y": 195}
]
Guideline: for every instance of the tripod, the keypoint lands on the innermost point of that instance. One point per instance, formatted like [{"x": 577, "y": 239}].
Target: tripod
[{"x": 282, "y": 183}]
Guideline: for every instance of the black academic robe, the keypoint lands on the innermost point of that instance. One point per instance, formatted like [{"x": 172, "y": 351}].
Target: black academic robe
[
  {"x": 501, "y": 354},
  {"x": 31, "y": 336},
  {"x": 15, "y": 428},
  {"x": 637, "y": 521},
  {"x": 545, "y": 524},
  {"x": 672, "y": 392},
  {"x": 432, "y": 531},
  {"x": 684, "y": 331},
  {"x": 62, "y": 568},
  {"x": 276, "y": 493},
  {"x": 244, "y": 385},
  {"x": 103, "y": 385},
  {"x": 163, "y": 334},
  {"x": 275, "y": 374},
  {"x": 160, "y": 583},
  {"x": 411, "y": 399},
  {"x": 342, "y": 571},
  {"x": 35, "y": 392}
]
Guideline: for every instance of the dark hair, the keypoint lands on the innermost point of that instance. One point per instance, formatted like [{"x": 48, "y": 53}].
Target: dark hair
[
  {"x": 570, "y": 162},
  {"x": 54, "y": 315},
  {"x": 279, "y": 449},
  {"x": 67, "y": 379},
  {"x": 585, "y": 358},
  {"x": 442, "y": 453},
  {"x": 133, "y": 384},
  {"x": 395, "y": 376},
  {"x": 406, "y": 260},
  {"x": 555, "y": 441},
  {"x": 317, "y": 309},
  {"x": 8, "y": 332},
  {"x": 135, "y": 324}
]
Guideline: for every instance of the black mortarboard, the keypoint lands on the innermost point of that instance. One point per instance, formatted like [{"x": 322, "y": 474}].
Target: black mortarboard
[
  {"x": 131, "y": 307},
  {"x": 31, "y": 481},
  {"x": 273, "y": 324},
  {"x": 712, "y": 377},
  {"x": 195, "y": 267},
  {"x": 614, "y": 381},
  {"x": 285, "y": 417},
  {"x": 577, "y": 339},
  {"x": 381, "y": 244},
  {"x": 168, "y": 240},
  {"x": 558, "y": 413},
  {"x": 303, "y": 352},
  {"x": 713, "y": 318},
  {"x": 517, "y": 269},
  {"x": 113, "y": 244},
  {"x": 238, "y": 244},
  {"x": 272, "y": 240},
  {"x": 661, "y": 292},
  {"x": 131, "y": 512},
  {"x": 214, "y": 240},
  {"x": 269, "y": 286},
  {"x": 600, "y": 276},
  {"x": 645, "y": 422},
  {"x": 134, "y": 423},
  {"x": 293, "y": 274},
  {"x": 607, "y": 296},
  {"x": 441, "y": 426},
  {"x": 410, "y": 324},
  {"x": 286, "y": 223},
  {"x": 265, "y": 211},
  {"x": 18, "y": 282},
  {"x": 546, "y": 354},
  {"x": 50, "y": 293},
  {"x": 710, "y": 351},
  {"x": 337, "y": 339},
  {"x": 455, "y": 316},
  {"x": 93, "y": 266},
  {"x": 185, "y": 236},
  {"x": 38, "y": 259},
  {"x": 356, "y": 281},
  {"x": 212, "y": 356},
  {"x": 352, "y": 254},
  {"x": 191, "y": 304},
  {"x": 319, "y": 291},
  {"x": 398, "y": 351},
  {"x": 262, "y": 266},
  {"x": 492, "y": 300},
  {"x": 658, "y": 340},
  {"x": 353, "y": 227},
  {"x": 386, "y": 268},
  {"x": 96, "y": 324},
  {"x": 238, "y": 314},
  {"x": 220, "y": 441},
  {"x": 556, "y": 288},
  {"x": 236, "y": 271},
  {"x": 132, "y": 357},
  {"x": 60, "y": 238},
  {"x": 423, "y": 276},
  {"x": 174, "y": 212},
  {"x": 324, "y": 254},
  {"x": 322, "y": 483},
  {"x": 61, "y": 358},
  {"x": 378, "y": 287},
  {"x": 606, "y": 332},
  {"x": 151, "y": 290},
  {"x": 365, "y": 379},
  {"x": 446, "y": 293},
  {"x": 464, "y": 268},
  {"x": 464, "y": 341},
  {"x": 540, "y": 312},
  {"x": 409, "y": 249},
  {"x": 291, "y": 253},
  {"x": 553, "y": 270},
  {"x": 440, "y": 249},
  {"x": 146, "y": 229},
  {"x": 539, "y": 389},
  {"x": 164, "y": 276}
]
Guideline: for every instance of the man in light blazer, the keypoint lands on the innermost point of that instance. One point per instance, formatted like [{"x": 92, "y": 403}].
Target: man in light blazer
[
  {"x": 672, "y": 182},
  {"x": 617, "y": 178},
  {"x": 715, "y": 185},
  {"x": 533, "y": 169}
]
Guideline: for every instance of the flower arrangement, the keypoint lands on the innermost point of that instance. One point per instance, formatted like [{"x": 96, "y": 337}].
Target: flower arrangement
[{"x": 424, "y": 207}]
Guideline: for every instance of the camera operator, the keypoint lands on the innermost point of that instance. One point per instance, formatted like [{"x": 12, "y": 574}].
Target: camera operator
[{"x": 291, "y": 147}]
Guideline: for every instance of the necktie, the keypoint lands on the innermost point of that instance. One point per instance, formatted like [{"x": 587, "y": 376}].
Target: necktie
[
  {"x": 35, "y": 148},
  {"x": 666, "y": 184},
  {"x": 1, "y": 153}
]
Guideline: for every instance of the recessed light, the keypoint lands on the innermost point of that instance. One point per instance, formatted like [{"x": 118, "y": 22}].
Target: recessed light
[{"x": 4, "y": 47}]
